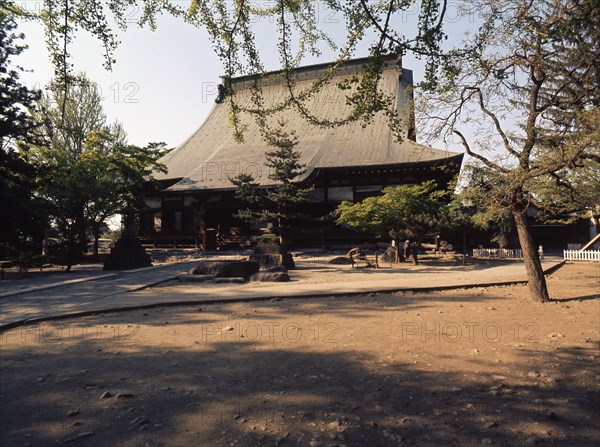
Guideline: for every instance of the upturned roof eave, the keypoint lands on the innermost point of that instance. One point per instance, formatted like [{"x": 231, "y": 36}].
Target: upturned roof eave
[{"x": 313, "y": 173}]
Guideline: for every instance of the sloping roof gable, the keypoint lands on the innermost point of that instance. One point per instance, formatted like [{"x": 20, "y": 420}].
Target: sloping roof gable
[{"x": 211, "y": 156}]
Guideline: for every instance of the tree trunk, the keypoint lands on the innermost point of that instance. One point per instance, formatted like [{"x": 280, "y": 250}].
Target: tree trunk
[
  {"x": 596, "y": 222},
  {"x": 502, "y": 239},
  {"x": 283, "y": 242},
  {"x": 96, "y": 243},
  {"x": 70, "y": 252},
  {"x": 282, "y": 229},
  {"x": 81, "y": 235},
  {"x": 464, "y": 261},
  {"x": 533, "y": 266}
]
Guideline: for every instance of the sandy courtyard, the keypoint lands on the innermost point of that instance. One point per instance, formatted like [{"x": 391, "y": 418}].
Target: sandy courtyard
[{"x": 462, "y": 367}]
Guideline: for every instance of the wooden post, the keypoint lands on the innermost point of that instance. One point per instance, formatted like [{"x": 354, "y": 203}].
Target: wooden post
[
  {"x": 464, "y": 246},
  {"x": 203, "y": 226},
  {"x": 195, "y": 211}
]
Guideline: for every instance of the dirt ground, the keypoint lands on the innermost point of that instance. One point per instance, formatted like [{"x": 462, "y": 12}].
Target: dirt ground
[{"x": 463, "y": 367}]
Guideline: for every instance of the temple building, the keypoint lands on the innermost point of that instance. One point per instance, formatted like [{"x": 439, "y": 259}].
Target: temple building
[{"x": 195, "y": 203}]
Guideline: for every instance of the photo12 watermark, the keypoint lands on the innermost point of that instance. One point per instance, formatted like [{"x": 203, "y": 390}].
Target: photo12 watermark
[
  {"x": 269, "y": 332},
  {"x": 118, "y": 92},
  {"x": 468, "y": 332},
  {"x": 44, "y": 333}
]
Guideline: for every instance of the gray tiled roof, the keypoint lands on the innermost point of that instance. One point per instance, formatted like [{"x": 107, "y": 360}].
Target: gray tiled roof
[{"x": 208, "y": 158}]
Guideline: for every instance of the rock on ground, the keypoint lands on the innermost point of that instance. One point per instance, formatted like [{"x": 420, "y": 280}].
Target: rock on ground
[
  {"x": 227, "y": 269},
  {"x": 270, "y": 277}
]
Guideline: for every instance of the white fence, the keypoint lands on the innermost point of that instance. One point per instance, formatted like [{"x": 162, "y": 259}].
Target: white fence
[
  {"x": 587, "y": 255},
  {"x": 498, "y": 253}
]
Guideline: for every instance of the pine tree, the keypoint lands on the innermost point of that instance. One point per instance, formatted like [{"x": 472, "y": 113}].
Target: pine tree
[
  {"x": 21, "y": 214},
  {"x": 277, "y": 204}
]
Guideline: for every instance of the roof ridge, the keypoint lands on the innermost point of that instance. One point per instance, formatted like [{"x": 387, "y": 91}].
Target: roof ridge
[{"x": 313, "y": 71}]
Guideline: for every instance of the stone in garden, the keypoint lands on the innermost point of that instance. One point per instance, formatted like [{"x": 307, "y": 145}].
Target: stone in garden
[
  {"x": 270, "y": 277},
  {"x": 277, "y": 268},
  {"x": 340, "y": 260},
  {"x": 227, "y": 269},
  {"x": 187, "y": 277},
  {"x": 269, "y": 255},
  {"x": 128, "y": 252},
  {"x": 228, "y": 280}
]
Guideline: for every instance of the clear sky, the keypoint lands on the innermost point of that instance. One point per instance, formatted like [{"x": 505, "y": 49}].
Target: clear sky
[{"x": 163, "y": 84}]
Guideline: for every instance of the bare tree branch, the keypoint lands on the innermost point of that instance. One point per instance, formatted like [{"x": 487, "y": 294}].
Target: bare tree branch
[
  {"x": 479, "y": 157},
  {"x": 497, "y": 124}
]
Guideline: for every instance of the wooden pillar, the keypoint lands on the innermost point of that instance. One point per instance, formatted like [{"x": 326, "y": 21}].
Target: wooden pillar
[
  {"x": 203, "y": 226},
  {"x": 196, "y": 223}
]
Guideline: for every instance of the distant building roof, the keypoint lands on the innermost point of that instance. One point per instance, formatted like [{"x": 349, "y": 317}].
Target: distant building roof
[{"x": 211, "y": 156}]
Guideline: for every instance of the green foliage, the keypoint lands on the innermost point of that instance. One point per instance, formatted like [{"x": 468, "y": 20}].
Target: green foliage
[
  {"x": 16, "y": 98},
  {"x": 266, "y": 239},
  {"x": 486, "y": 192},
  {"x": 113, "y": 235},
  {"x": 574, "y": 191},
  {"x": 400, "y": 212},
  {"x": 563, "y": 196},
  {"x": 232, "y": 27},
  {"x": 21, "y": 213},
  {"x": 275, "y": 204},
  {"x": 531, "y": 72},
  {"x": 86, "y": 171},
  {"x": 486, "y": 198}
]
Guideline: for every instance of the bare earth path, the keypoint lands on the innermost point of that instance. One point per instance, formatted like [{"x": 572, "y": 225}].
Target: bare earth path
[
  {"x": 469, "y": 367},
  {"x": 314, "y": 277}
]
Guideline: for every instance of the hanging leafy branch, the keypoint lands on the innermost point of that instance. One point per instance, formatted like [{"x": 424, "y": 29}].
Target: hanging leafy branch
[{"x": 231, "y": 24}]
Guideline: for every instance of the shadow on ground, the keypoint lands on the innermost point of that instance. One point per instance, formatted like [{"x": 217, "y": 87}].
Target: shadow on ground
[{"x": 230, "y": 392}]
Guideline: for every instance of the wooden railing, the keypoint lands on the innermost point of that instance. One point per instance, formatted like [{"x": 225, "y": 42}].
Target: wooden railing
[
  {"x": 586, "y": 255},
  {"x": 498, "y": 253}
]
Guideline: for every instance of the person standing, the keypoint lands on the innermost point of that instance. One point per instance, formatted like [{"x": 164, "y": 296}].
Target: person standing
[
  {"x": 541, "y": 251},
  {"x": 414, "y": 249}
]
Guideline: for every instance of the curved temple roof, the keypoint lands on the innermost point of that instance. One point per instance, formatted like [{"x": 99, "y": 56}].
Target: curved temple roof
[{"x": 211, "y": 156}]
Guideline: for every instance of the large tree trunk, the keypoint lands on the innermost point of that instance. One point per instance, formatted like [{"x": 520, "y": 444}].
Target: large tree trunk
[
  {"x": 596, "y": 222},
  {"x": 502, "y": 239},
  {"x": 283, "y": 241},
  {"x": 533, "y": 265},
  {"x": 81, "y": 233},
  {"x": 96, "y": 230},
  {"x": 70, "y": 251}
]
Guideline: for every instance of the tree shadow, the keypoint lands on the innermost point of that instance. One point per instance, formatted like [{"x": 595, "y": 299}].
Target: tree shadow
[
  {"x": 213, "y": 388},
  {"x": 347, "y": 306},
  {"x": 595, "y": 296}
]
